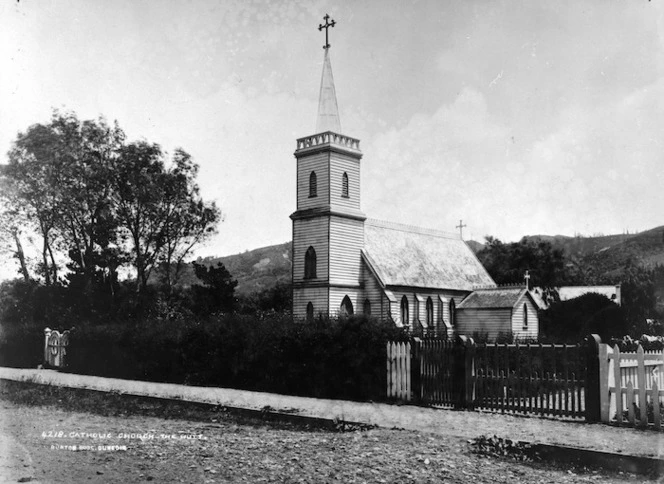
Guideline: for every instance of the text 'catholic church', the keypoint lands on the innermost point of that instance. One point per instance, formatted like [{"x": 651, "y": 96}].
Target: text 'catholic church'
[{"x": 345, "y": 263}]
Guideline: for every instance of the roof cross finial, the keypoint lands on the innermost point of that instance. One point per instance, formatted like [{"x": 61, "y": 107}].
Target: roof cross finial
[
  {"x": 460, "y": 227},
  {"x": 526, "y": 277},
  {"x": 326, "y": 27}
]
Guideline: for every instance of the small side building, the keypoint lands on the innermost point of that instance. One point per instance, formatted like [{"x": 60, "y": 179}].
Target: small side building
[
  {"x": 565, "y": 293},
  {"x": 497, "y": 311}
]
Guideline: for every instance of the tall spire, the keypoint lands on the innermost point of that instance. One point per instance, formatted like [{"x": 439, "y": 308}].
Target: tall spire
[{"x": 328, "y": 111}]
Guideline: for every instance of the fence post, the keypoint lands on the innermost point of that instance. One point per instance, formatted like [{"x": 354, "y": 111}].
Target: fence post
[
  {"x": 604, "y": 394},
  {"x": 416, "y": 369},
  {"x": 47, "y": 334},
  {"x": 463, "y": 375},
  {"x": 593, "y": 381}
]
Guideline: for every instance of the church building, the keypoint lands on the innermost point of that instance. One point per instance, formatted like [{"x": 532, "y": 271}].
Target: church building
[{"x": 345, "y": 263}]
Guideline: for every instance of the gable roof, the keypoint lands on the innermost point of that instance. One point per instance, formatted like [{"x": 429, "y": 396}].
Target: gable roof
[
  {"x": 402, "y": 255},
  {"x": 495, "y": 298}
]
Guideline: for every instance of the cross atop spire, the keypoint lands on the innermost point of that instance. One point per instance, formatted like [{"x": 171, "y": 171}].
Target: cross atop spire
[{"x": 326, "y": 27}]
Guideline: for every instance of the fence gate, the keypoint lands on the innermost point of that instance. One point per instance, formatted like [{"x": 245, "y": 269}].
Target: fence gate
[
  {"x": 544, "y": 379},
  {"x": 518, "y": 378},
  {"x": 55, "y": 348},
  {"x": 437, "y": 369}
]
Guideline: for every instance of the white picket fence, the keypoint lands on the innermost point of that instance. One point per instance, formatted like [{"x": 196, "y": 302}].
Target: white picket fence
[
  {"x": 630, "y": 386},
  {"x": 398, "y": 371}
]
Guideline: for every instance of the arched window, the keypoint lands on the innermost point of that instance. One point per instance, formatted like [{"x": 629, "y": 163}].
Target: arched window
[
  {"x": 429, "y": 313},
  {"x": 344, "y": 185},
  {"x": 346, "y": 307},
  {"x": 404, "y": 311},
  {"x": 310, "y": 263},
  {"x": 452, "y": 315},
  {"x": 310, "y": 311},
  {"x": 313, "y": 185},
  {"x": 525, "y": 316},
  {"x": 367, "y": 307}
]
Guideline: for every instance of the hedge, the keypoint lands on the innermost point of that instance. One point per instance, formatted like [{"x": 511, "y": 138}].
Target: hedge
[{"x": 326, "y": 358}]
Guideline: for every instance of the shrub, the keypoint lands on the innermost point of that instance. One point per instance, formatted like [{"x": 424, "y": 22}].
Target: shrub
[{"x": 329, "y": 358}]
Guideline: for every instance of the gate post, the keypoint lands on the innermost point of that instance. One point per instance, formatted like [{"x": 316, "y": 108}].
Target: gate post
[
  {"x": 593, "y": 381},
  {"x": 47, "y": 334},
  {"x": 464, "y": 371},
  {"x": 416, "y": 369}
]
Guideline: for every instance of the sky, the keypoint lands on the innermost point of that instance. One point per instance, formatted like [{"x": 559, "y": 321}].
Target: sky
[{"x": 519, "y": 117}]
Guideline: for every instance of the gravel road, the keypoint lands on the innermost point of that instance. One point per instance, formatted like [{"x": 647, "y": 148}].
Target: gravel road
[{"x": 129, "y": 439}]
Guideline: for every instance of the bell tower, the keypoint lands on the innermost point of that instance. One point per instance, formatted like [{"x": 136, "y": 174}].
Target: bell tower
[{"x": 328, "y": 226}]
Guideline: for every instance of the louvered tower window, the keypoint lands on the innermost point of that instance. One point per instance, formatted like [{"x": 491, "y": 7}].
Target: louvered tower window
[
  {"x": 344, "y": 185},
  {"x": 525, "y": 316},
  {"x": 310, "y": 263},
  {"x": 313, "y": 185}
]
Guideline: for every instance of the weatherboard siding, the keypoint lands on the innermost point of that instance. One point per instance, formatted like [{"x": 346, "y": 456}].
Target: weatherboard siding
[
  {"x": 491, "y": 322},
  {"x": 418, "y": 308},
  {"x": 351, "y": 166},
  {"x": 346, "y": 239},
  {"x": 318, "y": 296},
  {"x": 337, "y": 295},
  {"x": 373, "y": 292},
  {"x": 310, "y": 232},
  {"x": 319, "y": 164},
  {"x": 517, "y": 320}
]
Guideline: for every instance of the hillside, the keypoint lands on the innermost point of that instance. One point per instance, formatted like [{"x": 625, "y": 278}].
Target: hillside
[
  {"x": 255, "y": 270},
  {"x": 474, "y": 245},
  {"x": 261, "y": 269},
  {"x": 609, "y": 254}
]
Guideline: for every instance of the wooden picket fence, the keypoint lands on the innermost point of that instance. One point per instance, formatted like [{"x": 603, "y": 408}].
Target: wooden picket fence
[
  {"x": 630, "y": 384},
  {"x": 530, "y": 379},
  {"x": 590, "y": 380},
  {"x": 398, "y": 371}
]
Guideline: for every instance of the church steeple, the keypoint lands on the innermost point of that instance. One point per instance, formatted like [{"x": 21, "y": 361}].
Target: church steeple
[
  {"x": 328, "y": 110},
  {"x": 328, "y": 225}
]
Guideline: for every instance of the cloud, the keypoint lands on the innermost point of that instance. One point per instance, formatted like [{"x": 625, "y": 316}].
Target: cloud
[
  {"x": 423, "y": 172},
  {"x": 596, "y": 171}
]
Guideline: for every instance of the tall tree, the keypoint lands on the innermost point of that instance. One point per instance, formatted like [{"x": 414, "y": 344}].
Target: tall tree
[
  {"x": 34, "y": 171},
  {"x": 160, "y": 208},
  {"x": 12, "y": 223},
  {"x": 62, "y": 172},
  {"x": 507, "y": 263},
  {"x": 189, "y": 219},
  {"x": 87, "y": 216}
]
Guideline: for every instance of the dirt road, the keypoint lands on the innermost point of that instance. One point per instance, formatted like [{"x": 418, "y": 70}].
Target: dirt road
[{"x": 53, "y": 436}]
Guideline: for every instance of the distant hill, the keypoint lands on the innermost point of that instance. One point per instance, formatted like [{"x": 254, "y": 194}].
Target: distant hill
[
  {"x": 255, "y": 270},
  {"x": 261, "y": 269},
  {"x": 474, "y": 245},
  {"x": 610, "y": 253}
]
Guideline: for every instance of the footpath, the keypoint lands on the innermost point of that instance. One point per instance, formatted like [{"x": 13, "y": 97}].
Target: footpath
[{"x": 465, "y": 424}]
